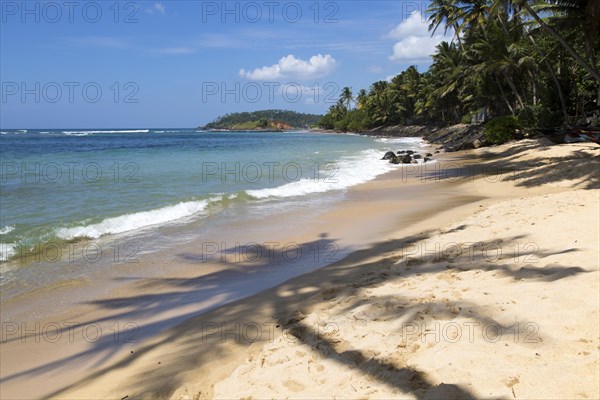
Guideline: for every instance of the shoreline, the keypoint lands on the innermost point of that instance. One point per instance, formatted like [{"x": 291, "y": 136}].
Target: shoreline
[
  {"x": 23, "y": 243},
  {"x": 192, "y": 356},
  {"x": 128, "y": 288}
]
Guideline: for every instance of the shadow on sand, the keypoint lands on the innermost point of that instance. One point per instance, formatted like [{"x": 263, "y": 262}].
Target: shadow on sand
[{"x": 192, "y": 347}]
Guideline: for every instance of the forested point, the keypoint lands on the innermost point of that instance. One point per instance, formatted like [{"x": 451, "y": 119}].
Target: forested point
[{"x": 263, "y": 119}]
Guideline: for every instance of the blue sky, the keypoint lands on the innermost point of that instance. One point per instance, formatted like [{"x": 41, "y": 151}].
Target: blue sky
[{"x": 183, "y": 63}]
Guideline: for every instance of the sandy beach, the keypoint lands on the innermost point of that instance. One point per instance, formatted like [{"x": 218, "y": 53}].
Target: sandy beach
[
  {"x": 300, "y": 200},
  {"x": 483, "y": 284},
  {"x": 501, "y": 304}
]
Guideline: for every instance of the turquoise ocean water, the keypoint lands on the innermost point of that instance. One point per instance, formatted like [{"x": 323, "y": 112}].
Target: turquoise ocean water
[{"x": 60, "y": 186}]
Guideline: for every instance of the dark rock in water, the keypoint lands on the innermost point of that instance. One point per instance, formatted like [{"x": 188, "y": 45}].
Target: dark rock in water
[
  {"x": 437, "y": 151},
  {"x": 426, "y": 159},
  {"x": 428, "y": 155},
  {"x": 389, "y": 155},
  {"x": 401, "y": 152},
  {"x": 407, "y": 159},
  {"x": 395, "y": 160},
  {"x": 409, "y": 152},
  {"x": 414, "y": 162},
  {"x": 417, "y": 156}
]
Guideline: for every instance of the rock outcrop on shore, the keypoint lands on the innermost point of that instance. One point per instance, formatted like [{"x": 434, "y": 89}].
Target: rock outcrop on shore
[
  {"x": 405, "y": 157},
  {"x": 451, "y": 138}
]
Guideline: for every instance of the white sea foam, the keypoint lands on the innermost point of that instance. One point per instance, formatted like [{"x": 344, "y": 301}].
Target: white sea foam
[
  {"x": 17, "y": 132},
  {"x": 130, "y": 222},
  {"x": 7, "y": 250},
  {"x": 77, "y": 134},
  {"x": 350, "y": 171},
  {"x": 93, "y": 132},
  {"x": 7, "y": 229}
]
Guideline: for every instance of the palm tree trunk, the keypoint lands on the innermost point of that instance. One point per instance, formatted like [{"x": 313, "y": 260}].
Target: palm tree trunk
[
  {"x": 514, "y": 88},
  {"x": 534, "y": 87},
  {"x": 589, "y": 48},
  {"x": 457, "y": 34},
  {"x": 512, "y": 110},
  {"x": 561, "y": 95},
  {"x": 589, "y": 68}
]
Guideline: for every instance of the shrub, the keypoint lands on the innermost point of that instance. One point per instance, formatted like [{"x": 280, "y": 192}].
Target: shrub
[
  {"x": 353, "y": 121},
  {"x": 546, "y": 118},
  {"x": 540, "y": 117},
  {"x": 466, "y": 119},
  {"x": 341, "y": 125},
  {"x": 358, "y": 121},
  {"x": 527, "y": 117},
  {"x": 326, "y": 122},
  {"x": 501, "y": 129}
]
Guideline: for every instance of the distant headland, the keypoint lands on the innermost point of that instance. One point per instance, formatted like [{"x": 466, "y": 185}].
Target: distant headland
[{"x": 265, "y": 120}]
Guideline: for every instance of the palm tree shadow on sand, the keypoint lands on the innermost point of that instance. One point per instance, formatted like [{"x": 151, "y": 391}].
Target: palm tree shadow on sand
[{"x": 194, "y": 351}]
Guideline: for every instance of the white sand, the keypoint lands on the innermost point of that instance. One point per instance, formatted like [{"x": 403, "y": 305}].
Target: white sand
[{"x": 502, "y": 304}]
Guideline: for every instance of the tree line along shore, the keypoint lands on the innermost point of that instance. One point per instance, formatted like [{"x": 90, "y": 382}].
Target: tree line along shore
[
  {"x": 513, "y": 69},
  {"x": 517, "y": 67}
]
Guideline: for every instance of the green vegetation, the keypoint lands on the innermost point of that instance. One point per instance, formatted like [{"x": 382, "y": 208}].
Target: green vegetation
[
  {"x": 266, "y": 119},
  {"x": 501, "y": 129},
  {"x": 251, "y": 125},
  {"x": 534, "y": 60}
]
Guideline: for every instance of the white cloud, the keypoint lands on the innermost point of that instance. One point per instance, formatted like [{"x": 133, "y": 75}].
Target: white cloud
[
  {"x": 156, "y": 7},
  {"x": 291, "y": 67},
  {"x": 414, "y": 40},
  {"x": 415, "y": 48},
  {"x": 414, "y": 25}
]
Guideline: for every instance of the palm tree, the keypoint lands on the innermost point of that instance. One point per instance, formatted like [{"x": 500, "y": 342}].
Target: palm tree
[
  {"x": 473, "y": 14},
  {"x": 450, "y": 88},
  {"x": 381, "y": 105},
  {"x": 584, "y": 13},
  {"x": 493, "y": 56},
  {"x": 561, "y": 95},
  {"x": 339, "y": 110},
  {"x": 347, "y": 97},
  {"x": 361, "y": 99},
  {"x": 509, "y": 13},
  {"x": 444, "y": 12},
  {"x": 503, "y": 60}
]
